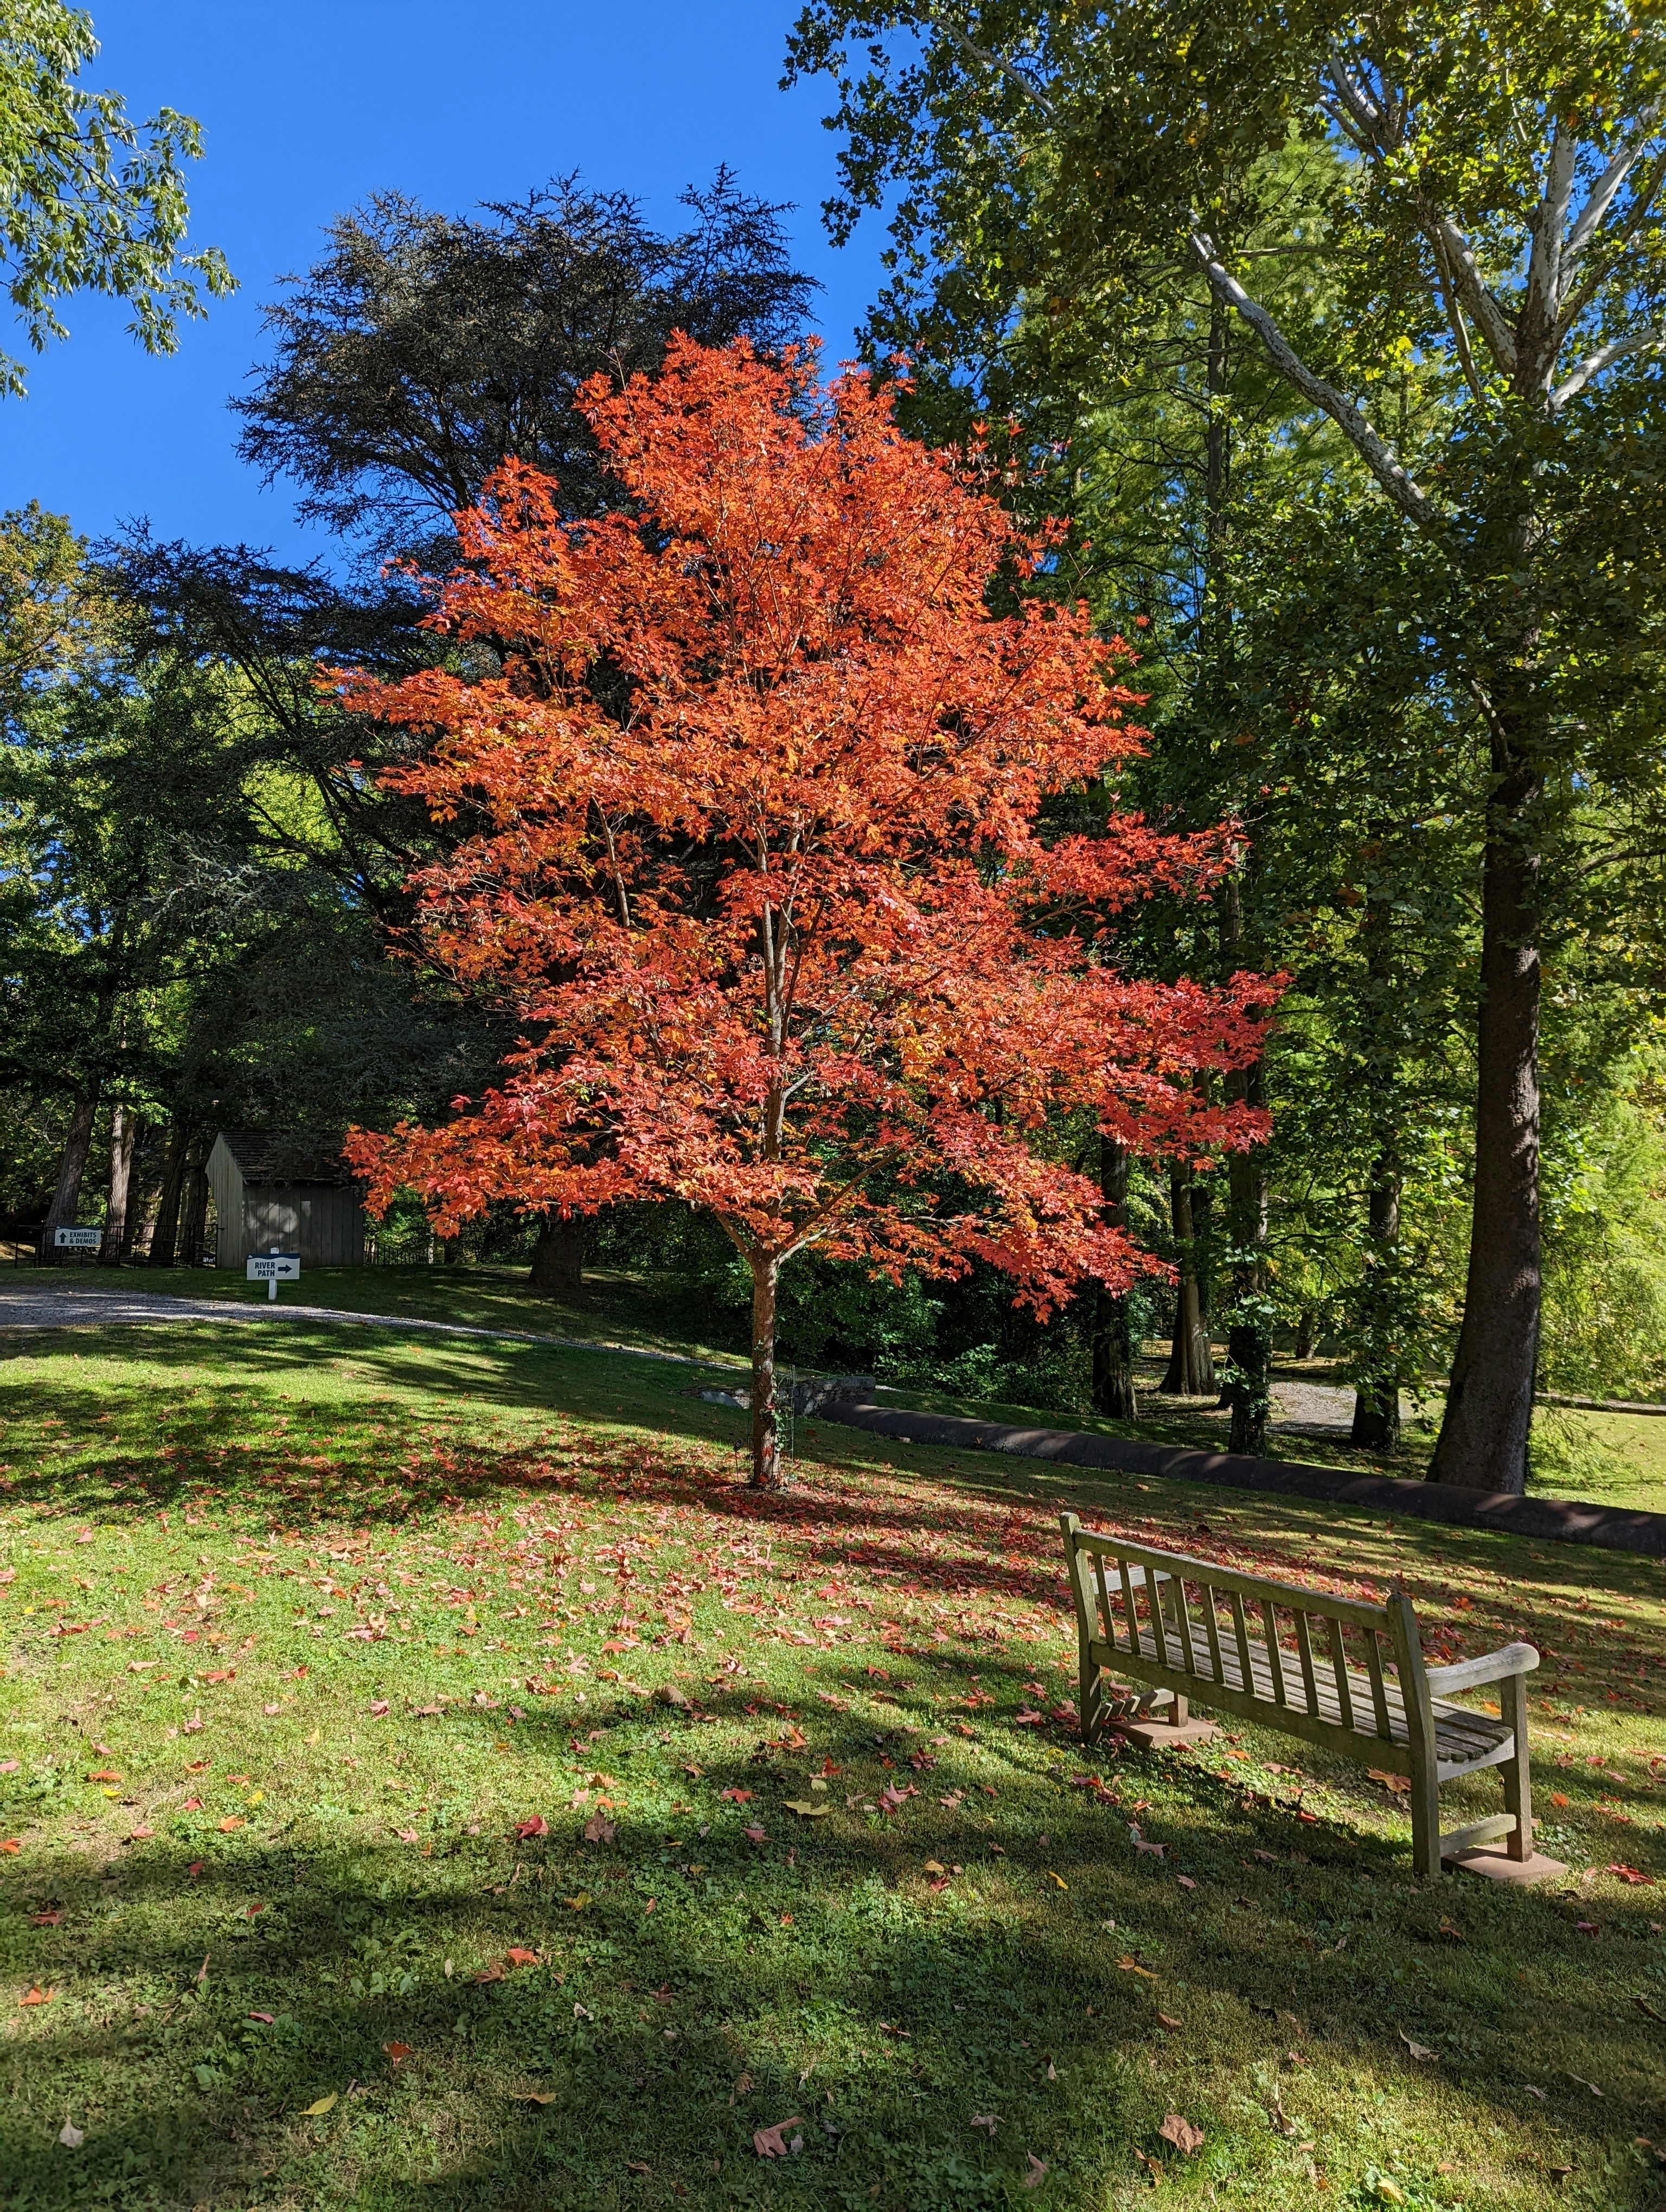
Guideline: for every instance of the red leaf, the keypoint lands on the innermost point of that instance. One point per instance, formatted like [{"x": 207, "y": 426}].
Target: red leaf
[
  {"x": 534, "y": 1825},
  {"x": 38, "y": 1997},
  {"x": 397, "y": 2052},
  {"x": 265, "y": 2018},
  {"x": 517, "y": 1957},
  {"x": 737, "y": 1797}
]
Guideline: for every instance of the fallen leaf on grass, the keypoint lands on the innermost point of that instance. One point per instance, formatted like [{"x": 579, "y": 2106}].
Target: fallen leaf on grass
[
  {"x": 767, "y": 2142},
  {"x": 232, "y": 1821},
  {"x": 70, "y": 2135},
  {"x": 1584, "y": 2084},
  {"x": 494, "y": 1973},
  {"x": 265, "y": 2018},
  {"x": 638, "y": 2166},
  {"x": 1400, "y": 1784},
  {"x": 378, "y": 1708},
  {"x": 758, "y": 1835},
  {"x": 598, "y": 1829},
  {"x": 51, "y": 1920},
  {"x": 737, "y": 1797},
  {"x": 517, "y": 1957},
  {"x": 1630, "y": 1874},
  {"x": 1417, "y": 2050},
  {"x": 533, "y": 2096},
  {"x": 534, "y": 1824},
  {"x": 807, "y": 1807},
  {"x": 990, "y": 2120},
  {"x": 1451, "y": 1931},
  {"x": 321, "y": 2105},
  {"x": 10, "y": 1844},
  {"x": 582, "y": 2012},
  {"x": 1185, "y": 1881},
  {"x": 38, "y": 1996},
  {"x": 1038, "y": 2171},
  {"x": 1589, "y": 1927},
  {"x": 1179, "y": 2129},
  {"x": 1167, "y": 2020},
  {"x": 577, "y": 1904},
  {"x": 1643, "y": 2005},
  {"x": 1129, "y": 1966}
]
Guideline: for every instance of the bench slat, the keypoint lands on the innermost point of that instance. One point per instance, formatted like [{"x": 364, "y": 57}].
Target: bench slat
[
  {"x": 1304, "y": 1647},
  {"x": 1105, "y": 1598},
  {"x": 1274, "y": 1656},
  {"x": 1379, "y": 1697},
  {"x": 1213, "y": 1628},
  {"x": 1339, "y": 1668}
]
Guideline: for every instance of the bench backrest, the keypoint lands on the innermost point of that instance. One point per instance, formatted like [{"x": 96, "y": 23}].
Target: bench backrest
[{"x": 1329, "y": 1668}]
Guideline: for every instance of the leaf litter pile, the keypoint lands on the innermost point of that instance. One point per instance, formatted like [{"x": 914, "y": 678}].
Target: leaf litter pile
[{"x": 406, "y": 1791}]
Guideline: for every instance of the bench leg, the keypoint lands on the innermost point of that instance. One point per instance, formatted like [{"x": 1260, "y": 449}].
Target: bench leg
[
  {"x": 1425, "y": 1823},
  {"x": 1517, "y": 1776},
  {"x": 1090, "y": 1705}
]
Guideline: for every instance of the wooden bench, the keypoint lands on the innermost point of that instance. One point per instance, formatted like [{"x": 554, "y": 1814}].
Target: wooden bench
[{"x": 1346, "y": 1676}]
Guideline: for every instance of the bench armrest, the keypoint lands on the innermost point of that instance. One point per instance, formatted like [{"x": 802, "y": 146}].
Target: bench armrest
[{"x": 1493, "y": 1667}]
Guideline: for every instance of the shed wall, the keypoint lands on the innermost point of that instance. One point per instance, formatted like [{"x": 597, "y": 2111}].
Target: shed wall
[{"x": 324, "y": 1225}]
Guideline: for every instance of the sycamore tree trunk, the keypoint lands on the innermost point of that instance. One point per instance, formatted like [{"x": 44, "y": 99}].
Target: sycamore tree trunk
[
  {"x": 1114, "y": 1390},
  {"x": 766, "y": 1430},
  {"x": 1191, "y": 1370},
  {"x": 1307, "y": 1333},
  {"x": 72, "y": 1166},
  {"x": 558, "y": 1257},
  {"x": 1489, "y": 1399},
  {"x": 124, "y": 1134}
]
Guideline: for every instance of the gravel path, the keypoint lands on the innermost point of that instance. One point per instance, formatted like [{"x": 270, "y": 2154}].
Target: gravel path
[{"x": 26, "y": 1305}]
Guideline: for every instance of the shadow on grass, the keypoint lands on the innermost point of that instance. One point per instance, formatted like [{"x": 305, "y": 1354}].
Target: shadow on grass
[{"x": 881, "y": 2018}]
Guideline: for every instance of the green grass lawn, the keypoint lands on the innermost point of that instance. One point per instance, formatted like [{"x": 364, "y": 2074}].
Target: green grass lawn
[{"x": 402, "y": 1784}]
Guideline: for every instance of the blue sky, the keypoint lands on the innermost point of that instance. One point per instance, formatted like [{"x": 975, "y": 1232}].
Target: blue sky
[{"x": 310, "y": 105}]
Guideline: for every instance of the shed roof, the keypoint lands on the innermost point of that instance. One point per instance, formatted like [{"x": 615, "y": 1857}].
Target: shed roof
[{"x": 284, "y": 1156}]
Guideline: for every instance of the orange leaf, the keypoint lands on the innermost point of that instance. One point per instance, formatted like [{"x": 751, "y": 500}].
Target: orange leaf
[
  {"x": 397, "y": 2052},
  {"x": 232, "y": 1821},
  {"x": 38, "y": 1996}
]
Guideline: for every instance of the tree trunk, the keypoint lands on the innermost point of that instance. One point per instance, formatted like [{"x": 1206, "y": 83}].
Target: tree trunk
[
  {"x": 1114, "y": 1393},
  {"x": 1377, "y": 1403},
  {"x": 1489, "y": 1399},
  {"x": 194, "y": 1215},
  {"x": 72, "y": 1165},
  {"x": 1191, "y": 1371},
  {"x": 1307, "y": 1333},
  {"x": 1249, "y": 1333},
  {"x": 123, "y": 1133},
  {"x": 558, "y": 1256},
  {"x": 766, "y": 1434},
  {"x": 1250, "y": 1336},
  {"x": 164, "y": 1239}
]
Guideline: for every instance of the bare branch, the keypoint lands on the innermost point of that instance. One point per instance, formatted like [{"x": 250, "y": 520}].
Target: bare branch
[
  {"x": 1602, "y": 192},
  {"x": 1595, "y": 363},
  {"x": 1536, "y": 325},
  {"x": 1377, "y": 455},
  {"x": 1008, "y": 69}
]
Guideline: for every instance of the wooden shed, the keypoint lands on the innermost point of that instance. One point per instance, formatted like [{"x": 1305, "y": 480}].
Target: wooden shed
[{"x": 290, "y": 1189}]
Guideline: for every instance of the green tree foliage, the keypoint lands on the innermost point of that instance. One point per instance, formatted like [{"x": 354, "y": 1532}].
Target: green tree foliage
[
  {"x": 1460, "y": 284},
  {"x": 89, "y": 201}
]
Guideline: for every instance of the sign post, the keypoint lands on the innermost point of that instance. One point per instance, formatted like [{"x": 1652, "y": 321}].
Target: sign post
[
  {"x": 77, "y": 1240},
  {"x": 274, "y": 1267}
]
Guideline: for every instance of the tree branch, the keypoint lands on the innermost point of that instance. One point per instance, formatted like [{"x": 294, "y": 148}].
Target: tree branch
[
  {"x": 1602, "y": 192},
  {"x": 1377, "y": 455},
  {"x": 1595, "y": 363},
  {"x": 999, "y": 62}
]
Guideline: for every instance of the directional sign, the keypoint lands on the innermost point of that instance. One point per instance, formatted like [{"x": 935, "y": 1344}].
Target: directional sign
[
  {"x": 79, "y": 1240},
  {"x": 274, "y": 1267}
]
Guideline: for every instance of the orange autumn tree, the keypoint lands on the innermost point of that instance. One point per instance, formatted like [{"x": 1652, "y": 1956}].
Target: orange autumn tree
[{"x": 752, "y": 847}]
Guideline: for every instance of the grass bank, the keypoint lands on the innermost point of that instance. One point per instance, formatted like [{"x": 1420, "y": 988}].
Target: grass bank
[{"x": 432, "y": 1773}]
